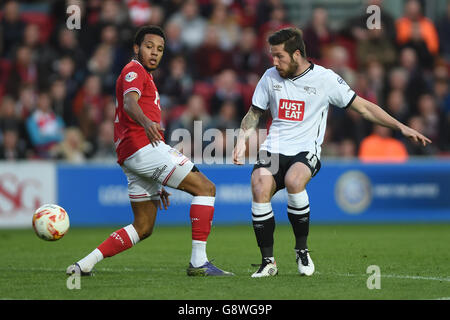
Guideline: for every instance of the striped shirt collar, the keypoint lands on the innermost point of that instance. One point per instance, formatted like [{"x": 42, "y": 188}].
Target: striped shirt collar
[{"x": 311, "y": 66}]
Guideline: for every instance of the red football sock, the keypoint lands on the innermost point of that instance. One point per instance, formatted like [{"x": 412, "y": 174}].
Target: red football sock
[
  {"x": 202, "y": 211},
  {"x": 117, "y": 242}
]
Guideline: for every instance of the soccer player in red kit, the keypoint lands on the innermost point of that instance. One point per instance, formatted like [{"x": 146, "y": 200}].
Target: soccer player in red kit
[{"x": 150, "y": 164}]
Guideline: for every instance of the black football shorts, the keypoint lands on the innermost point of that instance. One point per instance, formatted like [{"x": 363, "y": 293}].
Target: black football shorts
[{"x": 278, "y": 164}]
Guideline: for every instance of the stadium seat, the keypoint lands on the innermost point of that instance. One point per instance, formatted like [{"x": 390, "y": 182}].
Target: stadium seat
[
  {"x": 247, "y": 94},
  {"x": 5, "y": 69},
  {"x": 206, "y": 90},
  {"x": 176, "y": 112},
  {"x": 43, "y": 20}
]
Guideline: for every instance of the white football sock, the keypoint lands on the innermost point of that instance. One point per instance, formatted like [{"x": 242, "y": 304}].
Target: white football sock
[
  {"x": 298, "y": 200},
  {"x": 198, "y": 256},
  {"x": 87, "y": 263},
  {"x": 132, "y": 233}
]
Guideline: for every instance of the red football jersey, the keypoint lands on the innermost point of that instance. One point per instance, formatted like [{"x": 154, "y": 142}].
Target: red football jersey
[{"x": 129, "y": 136}]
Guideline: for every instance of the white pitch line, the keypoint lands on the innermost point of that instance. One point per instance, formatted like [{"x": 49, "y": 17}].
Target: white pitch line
[
  {"x": 447, "y": 279},
  {"x": 416, "y": 277},
  {"x": 31, "y": 269},
  {"x": 127, "y": 269}
]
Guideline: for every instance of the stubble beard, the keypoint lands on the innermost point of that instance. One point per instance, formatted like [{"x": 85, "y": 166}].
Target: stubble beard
[{"x": 290, "y": 72}]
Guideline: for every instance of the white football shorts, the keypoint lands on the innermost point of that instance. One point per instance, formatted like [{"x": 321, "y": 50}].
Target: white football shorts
[{"x": 150, "y": 168}]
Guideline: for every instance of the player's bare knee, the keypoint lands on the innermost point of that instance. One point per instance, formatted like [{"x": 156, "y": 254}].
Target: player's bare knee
[
  {"x": 146, "y": 234},
  {"x": 212, "y": 190},
  {"x": 261, "y": 197},
  {"x": 143, "y": 227},
  {"x": 144, "y": 231},
  {"x": 295, "y": 186},
  {"x": 204, "y": 190},
  {"x": 260, "y": 193},
  {"x": 207, "y": 189},
  {"x": 257, "y": 181},
  {"x": 296, "y": 183}
]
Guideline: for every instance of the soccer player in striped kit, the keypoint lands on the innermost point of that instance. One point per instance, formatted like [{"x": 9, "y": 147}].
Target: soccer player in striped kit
[
  {"x": 298, "y": 94},
  {"x": 150, "y": 164}
]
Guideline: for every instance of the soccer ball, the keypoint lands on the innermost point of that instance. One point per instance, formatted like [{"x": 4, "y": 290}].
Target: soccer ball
[{"x": 50, "y": 222}]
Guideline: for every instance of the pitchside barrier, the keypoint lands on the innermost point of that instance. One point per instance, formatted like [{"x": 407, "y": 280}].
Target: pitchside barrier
[{"x": 342, "y": 192}]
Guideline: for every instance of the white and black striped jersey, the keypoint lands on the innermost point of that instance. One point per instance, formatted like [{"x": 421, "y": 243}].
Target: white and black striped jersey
[{"x": 299, "y": 107}]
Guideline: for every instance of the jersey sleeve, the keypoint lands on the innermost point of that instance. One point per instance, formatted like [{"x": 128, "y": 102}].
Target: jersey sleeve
[
  {"x": 260, "y": 97},
  {"x": 339, "y": 92},
  {"x": 133, "y": 80}
]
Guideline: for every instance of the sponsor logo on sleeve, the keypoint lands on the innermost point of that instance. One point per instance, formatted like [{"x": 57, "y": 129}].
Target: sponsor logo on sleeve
[{"x": 341, "y": 81}]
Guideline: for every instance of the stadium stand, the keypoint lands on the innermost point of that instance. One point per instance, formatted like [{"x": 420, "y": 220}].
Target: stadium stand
[{"x": 404, "y": 67}]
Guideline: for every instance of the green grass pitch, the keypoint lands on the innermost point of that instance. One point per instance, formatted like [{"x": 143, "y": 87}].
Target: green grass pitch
[{"x": 414, "y": 262}]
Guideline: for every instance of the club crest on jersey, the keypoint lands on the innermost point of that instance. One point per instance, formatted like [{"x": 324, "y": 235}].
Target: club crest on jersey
[
  {"x": 130, "y": 76},
  {"x": 291, "y": 110},
  {"x": 310, "y": 90}
]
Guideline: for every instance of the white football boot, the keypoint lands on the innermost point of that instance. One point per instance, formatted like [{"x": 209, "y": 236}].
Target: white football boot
[
  {"x": 304, "y": 262},
  {"x": 76, "y": 269},
  {"x": 266, "y": 269}
]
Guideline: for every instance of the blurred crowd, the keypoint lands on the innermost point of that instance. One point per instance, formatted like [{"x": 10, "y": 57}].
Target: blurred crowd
[{"x": 57, "y": 85}]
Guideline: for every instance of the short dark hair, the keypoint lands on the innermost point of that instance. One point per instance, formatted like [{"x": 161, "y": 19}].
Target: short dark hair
[
  {"x": 292, "y": 39},
  {"x": 140, "y": 34}
]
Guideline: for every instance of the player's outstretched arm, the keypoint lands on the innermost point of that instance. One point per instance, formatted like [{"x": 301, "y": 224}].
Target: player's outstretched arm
[
  {"x": 132, "y": 108},
  {"x": 248, "y": 126},
  {"x": 375, "y": 114}
]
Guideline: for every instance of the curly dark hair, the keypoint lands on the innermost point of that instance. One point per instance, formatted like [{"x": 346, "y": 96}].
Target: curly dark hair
[{"x": 140, "y": 34}]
